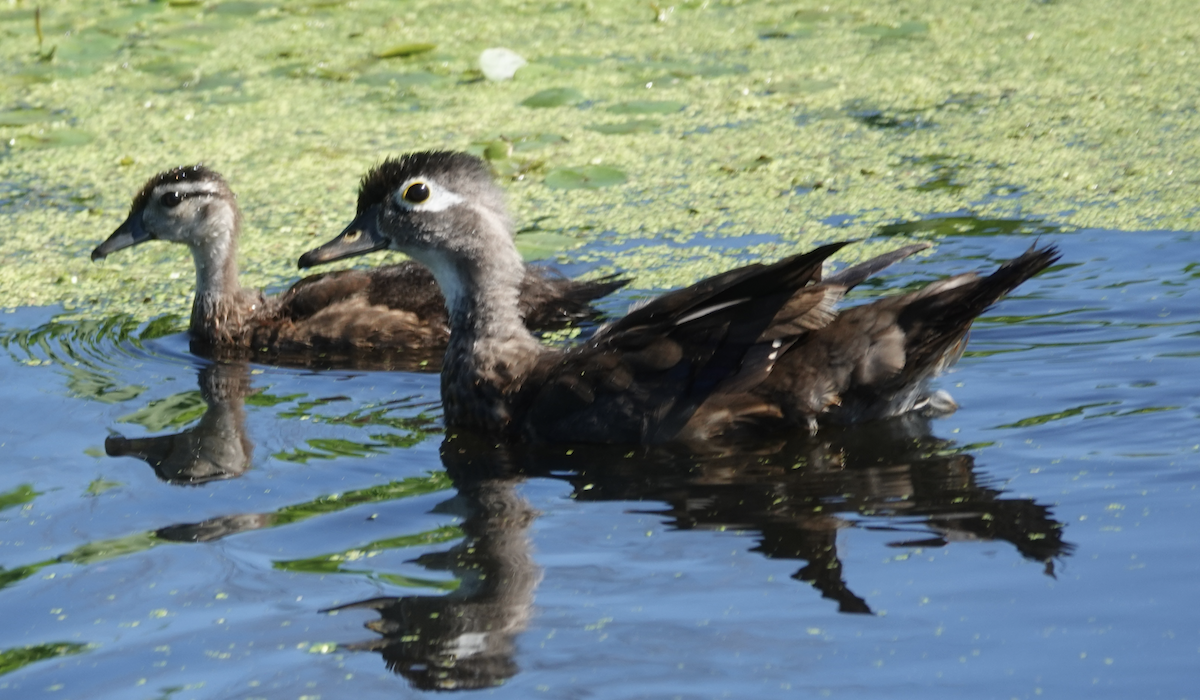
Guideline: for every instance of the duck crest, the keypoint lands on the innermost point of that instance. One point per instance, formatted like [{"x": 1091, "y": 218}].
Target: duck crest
[{"x": 382, "y": 180}]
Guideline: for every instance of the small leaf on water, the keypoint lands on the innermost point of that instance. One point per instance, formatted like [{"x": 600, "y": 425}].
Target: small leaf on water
[
  {"x": 588, "y": 177},
  {"x": 238, "y": 8},
  {"x": 99, "y": 486},
  {"x": 182, "y": 45},
  {"x": 635, "y": 126},
  {"x": 532, "y": 142},
  {"x": 905, "y": 30},
  {"x": 553, "y": 97},
  {"x": 54, "y": 139},
  {"x": 802, "y": 86},
  {"x": 403, "y": 80},
  {"x": 647, "y": 107},
  {"x": 88, "y": 46},
  {"x": 746, "y": 165},
  {"x": 784, "y": 31},
  {"x": 21, "y": 117},
  {"x": 497, "y": 150},
  {"x": 403, "y": 50},
  {"x": 538, "y": 246}
]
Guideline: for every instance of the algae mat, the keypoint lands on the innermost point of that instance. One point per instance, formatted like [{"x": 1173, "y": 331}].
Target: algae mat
[{"x": 629, "y": 121}]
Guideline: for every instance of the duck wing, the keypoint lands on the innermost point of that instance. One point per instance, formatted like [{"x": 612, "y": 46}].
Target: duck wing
[
  {"x": 405, "y": 287},
  {"x": 855, "y": 274},
  {"x": 549, "y": 300},
  {"x": 641, "y": 378},
  {"x": 874, "y": 360}
]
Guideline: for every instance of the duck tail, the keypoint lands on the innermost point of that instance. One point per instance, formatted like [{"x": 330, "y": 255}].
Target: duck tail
[
  {"x": 1012, "y": 273},
  {"x": 937, "y": 320}
]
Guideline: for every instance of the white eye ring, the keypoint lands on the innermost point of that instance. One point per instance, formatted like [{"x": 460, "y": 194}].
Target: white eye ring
[{"x": 423, "y": 194}]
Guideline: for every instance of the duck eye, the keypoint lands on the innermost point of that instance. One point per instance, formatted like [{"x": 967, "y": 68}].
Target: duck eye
[
  {"x": 416, "y": 193},
  {"x": 170, "y": 200}
]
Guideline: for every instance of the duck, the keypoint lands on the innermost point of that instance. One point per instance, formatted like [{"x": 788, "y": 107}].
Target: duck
[
  {"x": 349, "y": 314},
  {"x": 751, "y": 352}
]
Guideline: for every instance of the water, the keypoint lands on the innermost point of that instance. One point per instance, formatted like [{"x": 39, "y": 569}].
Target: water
[{"x": 1039, "y": 542}]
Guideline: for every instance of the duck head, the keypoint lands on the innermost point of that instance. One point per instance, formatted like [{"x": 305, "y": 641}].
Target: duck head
[
  {"x": 440, "y": 208},
  {"x": 190, "y": 205}
]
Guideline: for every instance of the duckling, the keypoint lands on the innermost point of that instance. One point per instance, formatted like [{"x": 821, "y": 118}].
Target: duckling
[
  {"x": 392, "y": 308},
  {"x": 757, "y": 350}
]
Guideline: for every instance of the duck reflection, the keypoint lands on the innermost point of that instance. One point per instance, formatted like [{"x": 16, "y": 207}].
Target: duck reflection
[
  {"x": 217, "y": 447},
  {"x": 796, "y": 496},
  {"x": 466, "y": 639},
  {"x": 793, "y": 496}
]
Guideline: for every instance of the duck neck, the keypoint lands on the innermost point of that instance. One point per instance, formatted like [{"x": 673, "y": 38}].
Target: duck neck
[
  {"x": 490, "y": 351},
  {"x": 221, "y": 304}
]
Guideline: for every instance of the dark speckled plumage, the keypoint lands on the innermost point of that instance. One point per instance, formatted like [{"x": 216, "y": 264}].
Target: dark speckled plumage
[
  {"x": 755, "y": 350},
  {"x": 389, "y": 317}
]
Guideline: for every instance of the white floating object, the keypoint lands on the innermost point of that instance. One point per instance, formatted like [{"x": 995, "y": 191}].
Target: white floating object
[{"x": 500, "y": 63}]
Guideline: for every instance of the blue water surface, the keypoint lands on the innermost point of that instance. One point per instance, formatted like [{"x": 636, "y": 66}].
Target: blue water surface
[{"x": 1039, "y": 542}]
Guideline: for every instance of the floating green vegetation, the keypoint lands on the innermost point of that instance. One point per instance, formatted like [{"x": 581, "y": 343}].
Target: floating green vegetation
[
  {"x": 553, "y": 97},
  {"x": 633, "y": 126},
  {"x": 22, "y": 117},
  {"x": 18, "y": 497},
  {"x": 589, "y": 177},
  {"x": 406, "y": 50},
  {"x": 20, "y": 657},
  {"x": 647, "y": 107},
  {"x": 104, "y": 550},
  {"x": 740, "y": 117},
  {"x": 81, "y": 349},
  {"x": 355, "y": 561},
  {"x": 99, "y": 486},
  {"x": 1058, "y": 415},
  {"x": 174, "y": 411}
]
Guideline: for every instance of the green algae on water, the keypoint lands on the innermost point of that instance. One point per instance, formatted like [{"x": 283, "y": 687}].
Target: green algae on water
[{"x": 805, "y": 123}]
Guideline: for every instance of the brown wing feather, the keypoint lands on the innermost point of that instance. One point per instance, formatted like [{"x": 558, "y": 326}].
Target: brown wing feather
[
  {"x": 397, "y": 309},
  {"x": 643, "y": 378}
]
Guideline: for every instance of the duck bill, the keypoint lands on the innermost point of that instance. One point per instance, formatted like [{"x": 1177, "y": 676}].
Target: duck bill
[
  {"x": 127, "y": 235},
  {"x": 362, "y": 236}
]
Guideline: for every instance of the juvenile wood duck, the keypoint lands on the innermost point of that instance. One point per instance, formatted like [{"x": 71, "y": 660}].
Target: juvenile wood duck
[
  {"x": 755, "y": 350},
  {"x": 391, "y": 308}
]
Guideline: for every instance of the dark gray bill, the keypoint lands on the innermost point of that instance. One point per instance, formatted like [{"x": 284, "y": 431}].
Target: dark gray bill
[
  {"x": 127, "y": 234},
  {"x": 360, "y": 237}
]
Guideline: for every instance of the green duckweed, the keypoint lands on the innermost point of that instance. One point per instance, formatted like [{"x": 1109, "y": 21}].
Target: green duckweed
[{"x": 805, "y": 123}]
